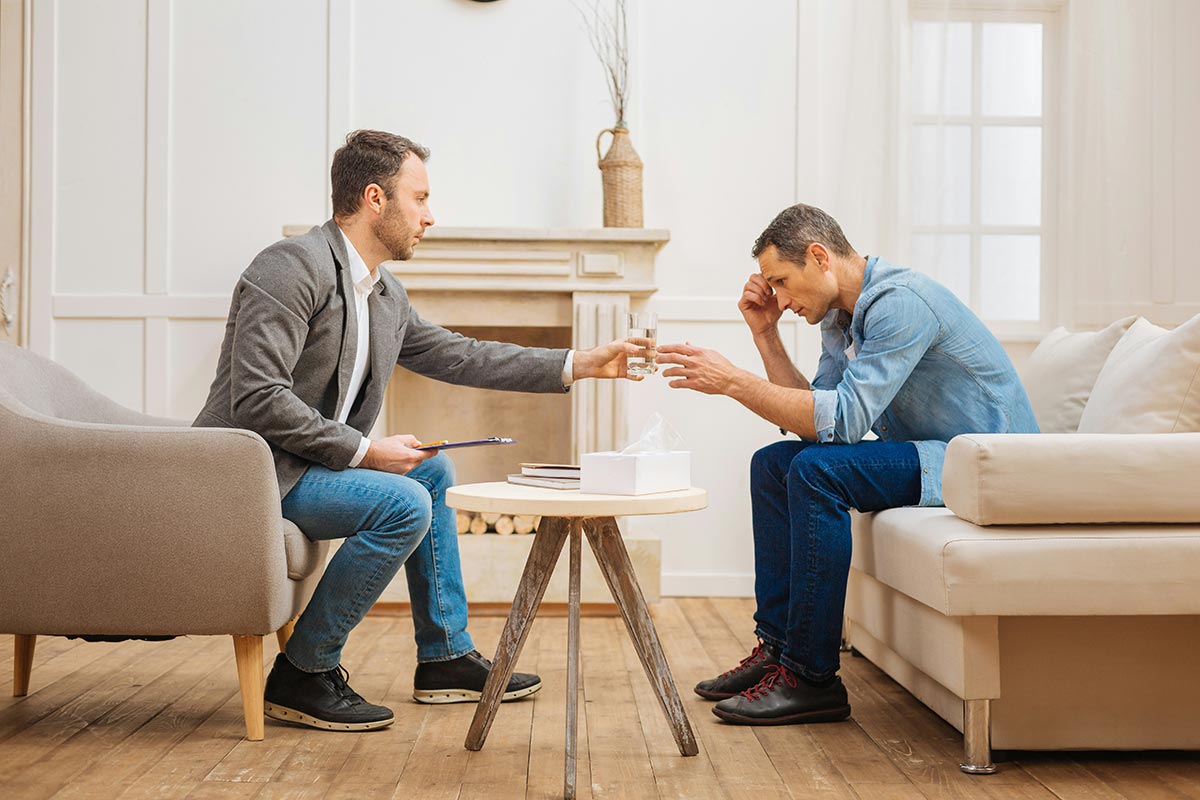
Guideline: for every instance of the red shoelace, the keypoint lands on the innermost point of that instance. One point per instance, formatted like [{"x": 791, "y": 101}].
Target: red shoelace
[
  {"x": 776, "y": 674},
  {"x": 756, "y": 655}
]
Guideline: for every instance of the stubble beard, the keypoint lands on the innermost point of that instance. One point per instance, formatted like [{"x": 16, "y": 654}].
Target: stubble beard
[{"x": 395, "y": 235}]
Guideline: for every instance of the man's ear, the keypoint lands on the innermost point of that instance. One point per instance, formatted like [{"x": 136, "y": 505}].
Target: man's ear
[
  {"x": 819, "y": 255},
  {"x": 373, "y": 197}
]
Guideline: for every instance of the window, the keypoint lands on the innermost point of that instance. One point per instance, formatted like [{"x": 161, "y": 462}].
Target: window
[{"x": 980, "y": 168}]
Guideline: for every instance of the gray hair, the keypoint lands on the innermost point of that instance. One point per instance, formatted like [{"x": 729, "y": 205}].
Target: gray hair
[{"x": 795, "y": 228}]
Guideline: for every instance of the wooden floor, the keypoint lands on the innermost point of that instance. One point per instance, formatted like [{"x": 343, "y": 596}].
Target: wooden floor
[{"x": 163, "y": 720}]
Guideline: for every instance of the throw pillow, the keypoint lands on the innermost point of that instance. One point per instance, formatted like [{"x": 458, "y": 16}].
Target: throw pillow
[
  {"x": 1060, "y": 373},
  {"x": 1150, "y": 383}
]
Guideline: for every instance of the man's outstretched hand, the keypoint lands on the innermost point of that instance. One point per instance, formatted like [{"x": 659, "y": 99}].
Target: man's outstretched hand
[
  {"x": 698, "y": 369},
  {"x": 607, "y": 361},
  {"x": 396, "y": 454}
]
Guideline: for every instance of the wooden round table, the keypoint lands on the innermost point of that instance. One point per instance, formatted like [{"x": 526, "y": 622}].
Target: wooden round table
[{"x": 569, "y": 514}]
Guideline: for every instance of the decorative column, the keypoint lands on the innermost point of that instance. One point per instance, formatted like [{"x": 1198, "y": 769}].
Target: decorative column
[{"x": 598, "y": 407}]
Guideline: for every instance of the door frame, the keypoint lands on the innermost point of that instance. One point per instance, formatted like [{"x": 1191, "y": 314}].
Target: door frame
[{"x": 15, "y": 18}]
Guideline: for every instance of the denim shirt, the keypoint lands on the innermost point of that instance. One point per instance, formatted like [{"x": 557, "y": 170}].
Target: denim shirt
[{"x": 914, "y": 364}]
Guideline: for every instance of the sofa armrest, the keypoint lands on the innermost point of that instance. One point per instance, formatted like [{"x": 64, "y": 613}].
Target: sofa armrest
[
  {"x": 1047, "y": 478},
  {"x": 129, "y": 529}
]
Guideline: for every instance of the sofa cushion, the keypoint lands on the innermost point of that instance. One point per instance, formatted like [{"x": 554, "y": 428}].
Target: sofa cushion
[
  {"x": 304, "y": 556},
  {"x": 1060, "y": 373},
  {"x": 1072, "y": 478},
  {"x": 961, "y": 569},
  {"x": 1150, "y": 383}
]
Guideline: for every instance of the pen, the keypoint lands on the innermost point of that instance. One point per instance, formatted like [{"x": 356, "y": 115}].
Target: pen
[{"x": 435, "y": 444}]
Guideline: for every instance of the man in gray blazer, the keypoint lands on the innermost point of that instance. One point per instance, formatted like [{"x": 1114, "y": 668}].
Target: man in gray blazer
[{"x": 314, "y": 330}]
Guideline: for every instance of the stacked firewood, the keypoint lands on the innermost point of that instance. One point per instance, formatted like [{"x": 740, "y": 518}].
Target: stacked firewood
[{"x": 502, "y": 524}]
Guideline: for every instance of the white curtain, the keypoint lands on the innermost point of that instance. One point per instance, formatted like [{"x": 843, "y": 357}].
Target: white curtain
[
  {"x": 1038, "y": 157},
  {"x": 852, "y": 117},
  {"x": 1132, "y": 162}
]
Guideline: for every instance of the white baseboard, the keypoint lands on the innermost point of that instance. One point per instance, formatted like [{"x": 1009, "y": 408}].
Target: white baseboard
[{"x": 707, "y": 584}]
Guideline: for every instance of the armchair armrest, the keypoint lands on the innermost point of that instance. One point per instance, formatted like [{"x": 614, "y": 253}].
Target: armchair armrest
[
  {"x": 1047, "y": 478},
  {"x": 138, "y": 530}
]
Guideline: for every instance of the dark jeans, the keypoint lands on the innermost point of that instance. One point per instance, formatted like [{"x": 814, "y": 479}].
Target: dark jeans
[{"x": 802, "y": 493}]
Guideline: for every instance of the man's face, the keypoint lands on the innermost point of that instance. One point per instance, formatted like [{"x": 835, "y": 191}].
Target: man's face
[
  {"x": 406, "y": 213},
  {"x": 807, "y": 291}
]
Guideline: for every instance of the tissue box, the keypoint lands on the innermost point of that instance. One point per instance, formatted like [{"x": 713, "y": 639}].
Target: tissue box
[{"x": 635, "y": 473}]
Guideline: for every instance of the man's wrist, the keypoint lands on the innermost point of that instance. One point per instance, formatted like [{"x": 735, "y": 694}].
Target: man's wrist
[
  {"x": 768, "y": 337},
  {"x": 579, "y": 364},
  {"x": 740, "y": 383},
  {"x": 360, "y": 456}
]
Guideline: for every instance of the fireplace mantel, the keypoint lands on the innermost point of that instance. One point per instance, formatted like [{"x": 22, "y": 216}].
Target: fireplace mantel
[{"x": 530, "y": 259}]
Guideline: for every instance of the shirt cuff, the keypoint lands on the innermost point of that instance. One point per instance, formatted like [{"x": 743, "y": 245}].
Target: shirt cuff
[
  {"x": 363, "y": 447},
  {"x": 568, "y": 373},
  {"x": 825, "y": 403}
]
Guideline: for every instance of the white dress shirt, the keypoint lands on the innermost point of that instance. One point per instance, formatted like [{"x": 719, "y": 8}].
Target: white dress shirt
[{"x": 364, "y": 284}]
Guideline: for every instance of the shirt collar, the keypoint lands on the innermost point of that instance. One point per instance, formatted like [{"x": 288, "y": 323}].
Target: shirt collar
[
  {"x": 363, "y": 280},
  {"x": 836, "y": 318},
  {"x": 868, "y": 272}
]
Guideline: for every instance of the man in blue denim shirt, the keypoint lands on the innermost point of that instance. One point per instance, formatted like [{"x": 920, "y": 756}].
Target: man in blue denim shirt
[{"x": 902, "y": 358}]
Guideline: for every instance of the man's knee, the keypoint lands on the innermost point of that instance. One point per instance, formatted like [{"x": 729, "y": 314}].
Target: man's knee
[
  {"x": 812, "y": 465},
  {"x": 406, "y": 509},
  {"x": 439, "y": 471},
  {"x": 771, "y": 461}
]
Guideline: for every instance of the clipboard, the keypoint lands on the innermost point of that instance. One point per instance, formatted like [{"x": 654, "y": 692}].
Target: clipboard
[{"x": 471, "y": 443}]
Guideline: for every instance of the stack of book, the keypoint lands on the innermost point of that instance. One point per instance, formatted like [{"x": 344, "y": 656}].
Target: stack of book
[{"x": 548, "y": 476}]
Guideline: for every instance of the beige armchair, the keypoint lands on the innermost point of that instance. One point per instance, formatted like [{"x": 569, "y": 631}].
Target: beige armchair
[{"x": 117, "y": 523}]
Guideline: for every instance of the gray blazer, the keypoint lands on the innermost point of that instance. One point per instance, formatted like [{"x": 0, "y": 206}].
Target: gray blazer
[{"x": 289, "y": 347}]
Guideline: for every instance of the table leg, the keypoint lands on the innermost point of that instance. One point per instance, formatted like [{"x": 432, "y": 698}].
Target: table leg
[
  {"x": 543, "y": 557},
  {"x": 605, "y": 539},
  {"x": 572, "y": 660}
]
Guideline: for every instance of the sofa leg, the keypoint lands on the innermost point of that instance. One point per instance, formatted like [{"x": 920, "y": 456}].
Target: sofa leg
[
  {"x": 23, "y": 644},
  {"x": 249, "y": 652},
  {"x": 977, "y": 737},
  {"x": 285, "y": 633}
]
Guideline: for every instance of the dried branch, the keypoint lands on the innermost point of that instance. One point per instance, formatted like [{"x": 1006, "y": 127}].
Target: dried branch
[{"x": 608, "y": 34}]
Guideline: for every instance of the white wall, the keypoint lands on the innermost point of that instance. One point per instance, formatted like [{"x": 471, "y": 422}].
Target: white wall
[{"x": 172, "y": 141}]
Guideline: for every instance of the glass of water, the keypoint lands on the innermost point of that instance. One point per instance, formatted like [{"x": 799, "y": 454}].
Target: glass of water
[{"x": 643, "y": 330}]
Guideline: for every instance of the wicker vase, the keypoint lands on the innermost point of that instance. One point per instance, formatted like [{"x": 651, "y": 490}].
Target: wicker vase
[{"x": 621, "y": 171}]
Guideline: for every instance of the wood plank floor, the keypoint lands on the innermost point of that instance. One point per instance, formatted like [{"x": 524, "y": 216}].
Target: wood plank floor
[{"x": 163, "y": 720}]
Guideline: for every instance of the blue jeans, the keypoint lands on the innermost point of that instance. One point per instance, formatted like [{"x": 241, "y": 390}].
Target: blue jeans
[
  {"x": 387, "y": 520},
  {"x": 801, "y": 494}
]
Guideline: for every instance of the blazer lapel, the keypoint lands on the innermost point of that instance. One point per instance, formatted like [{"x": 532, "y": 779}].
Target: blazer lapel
[
  {"x": 382, "y": 305},
  {"x": 345, "y": 367}
]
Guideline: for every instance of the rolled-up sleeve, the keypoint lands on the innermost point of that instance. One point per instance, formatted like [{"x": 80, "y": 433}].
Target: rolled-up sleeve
[
  {"x": 825, "y": 403},
  {"x": 898, "y": 330}
]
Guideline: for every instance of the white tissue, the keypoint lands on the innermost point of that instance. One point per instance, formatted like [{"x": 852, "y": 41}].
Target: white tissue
[{"x": 657, "y": 437}]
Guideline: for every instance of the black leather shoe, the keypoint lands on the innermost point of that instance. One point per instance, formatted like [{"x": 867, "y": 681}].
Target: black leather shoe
[
  {"x": 461, "y": 681},
  {"x": 320, "y": 700},
  {"x": 749, "y": 671},
  {"x": 782, "y": 698}
]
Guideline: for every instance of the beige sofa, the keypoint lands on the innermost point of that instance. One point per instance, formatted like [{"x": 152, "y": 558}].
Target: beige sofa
[
  {"x": 1055, "y": 602},
  {"x": 114, "y": 523}
]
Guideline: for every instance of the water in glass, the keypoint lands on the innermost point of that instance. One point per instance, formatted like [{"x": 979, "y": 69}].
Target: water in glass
[{"x": 643, "y": 330}]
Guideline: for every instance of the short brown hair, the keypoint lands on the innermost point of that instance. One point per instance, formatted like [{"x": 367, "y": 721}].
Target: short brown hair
[
  {"x": 795, "y": 228},
  {"x": 368, "y": 157}
]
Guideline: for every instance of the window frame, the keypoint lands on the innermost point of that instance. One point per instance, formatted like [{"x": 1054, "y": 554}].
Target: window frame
[{"x": 1051, "y": 264}]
